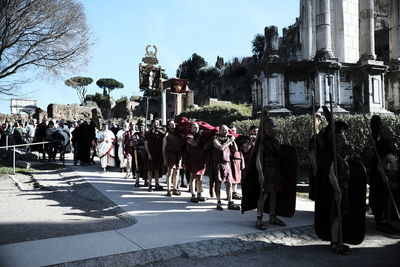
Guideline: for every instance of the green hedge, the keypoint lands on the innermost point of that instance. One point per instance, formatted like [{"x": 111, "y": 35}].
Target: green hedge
[
  {"x": 217, "y": 115},
  {"x": 297, "y": 131}
]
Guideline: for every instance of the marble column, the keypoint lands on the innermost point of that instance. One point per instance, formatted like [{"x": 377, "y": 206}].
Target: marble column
[
  {"x": 394, "y": 31},
  {"x": 307, "y": 28},
  {"x": 323, "y": 30},
  {"x": 367, "y": 30}
]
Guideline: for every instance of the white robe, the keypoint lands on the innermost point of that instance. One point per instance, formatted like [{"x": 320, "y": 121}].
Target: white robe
[
  {"x": 105, "y": 148},
  {"x": 120, "y": 140}
]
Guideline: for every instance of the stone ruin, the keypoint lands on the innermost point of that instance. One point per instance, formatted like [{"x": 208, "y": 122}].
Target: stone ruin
[{"x": 331, "y": 48}]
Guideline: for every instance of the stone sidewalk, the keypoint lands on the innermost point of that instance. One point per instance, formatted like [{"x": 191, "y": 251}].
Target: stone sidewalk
[{"x": 171, "y": 225}]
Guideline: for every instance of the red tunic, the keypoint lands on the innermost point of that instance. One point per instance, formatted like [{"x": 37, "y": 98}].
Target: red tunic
[
  {"x": 222, "y": 164},
  {"x": 173, "y": 149},
  {"x": 196, "y": 162},
  {"x": 236, "y": 167},
  {"x": 154, "y": 142}
]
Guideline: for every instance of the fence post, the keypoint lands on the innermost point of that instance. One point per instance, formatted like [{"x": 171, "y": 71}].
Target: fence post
[
  {"x": 7, "y": 142},
  {"x": 14, "y": 159}
]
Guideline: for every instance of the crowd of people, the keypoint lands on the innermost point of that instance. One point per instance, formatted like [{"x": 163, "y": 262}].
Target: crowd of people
[{"x": 266, "y": 169}]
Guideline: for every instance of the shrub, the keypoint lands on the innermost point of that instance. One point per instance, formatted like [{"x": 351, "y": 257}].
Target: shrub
[
  {"x": 297, "y": 131},
  {"x": 217, "y": 115}
]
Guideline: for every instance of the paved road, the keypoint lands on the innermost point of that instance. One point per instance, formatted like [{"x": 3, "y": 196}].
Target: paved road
[{"x": 173, "y": 227}]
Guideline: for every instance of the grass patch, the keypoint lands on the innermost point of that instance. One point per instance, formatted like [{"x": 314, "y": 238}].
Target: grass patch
[
  {"x": 298, "y": 194},
  {"x": 4, "y": 170}
]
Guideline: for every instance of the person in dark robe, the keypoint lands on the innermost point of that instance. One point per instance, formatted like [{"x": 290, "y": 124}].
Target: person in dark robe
[
  {"x": 172, "y": 153},
  {"x": 84, "y": 143},
  {"x": 195, "y": 162},
  {"x": 40, "y": 136},
  {"x": 141, "y": 155},
  {"x": 222, "y": 146},
  {"x": 315, "y": 147},
  {"x": 93, "y": 141},
  {"x": 74, "y": 140},
  {"x": 269, "y": 173},
  {"x": 332, "y": 195},
  {"x": 153, "y": 144},
  {"x": 385, "y": 176}
]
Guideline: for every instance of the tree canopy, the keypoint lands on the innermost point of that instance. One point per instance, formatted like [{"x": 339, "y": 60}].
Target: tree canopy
[
  {"x": 40, "y": 35},
  {"x": 258, "y": 46},
  {"x": 108, "y": 85},
  {"x": 190, "y": 68},
  {"x": 80, "y": 85}
]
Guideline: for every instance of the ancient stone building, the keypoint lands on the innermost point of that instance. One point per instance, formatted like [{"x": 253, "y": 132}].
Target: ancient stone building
[{"x": 329, "y": 53}]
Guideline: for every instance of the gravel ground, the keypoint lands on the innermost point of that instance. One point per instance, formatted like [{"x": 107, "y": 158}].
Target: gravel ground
[{"x": 54, "y": 203}]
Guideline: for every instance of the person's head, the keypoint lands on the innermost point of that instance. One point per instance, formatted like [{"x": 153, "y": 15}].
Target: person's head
[
  {"x": 194, "y": 128},
  {"x": 155, "y": 124},
  {"x": 104, "y": 126},
  {"x": 125, "y": 126},
  {"x": 131, "y": 126},
  {"x": 233, "y": 129},
  {"x": 253, "y": 130},
  {"x": 342, "y": 144},
  {"x": 269, "y": 128},
  {"x": 223, "y": 130},
  {"x": 171, "y": 126},
  {"x": 51, "y": 124},
  {"x": 16, "y": 124},
  {"x": 44, "y": 119}
]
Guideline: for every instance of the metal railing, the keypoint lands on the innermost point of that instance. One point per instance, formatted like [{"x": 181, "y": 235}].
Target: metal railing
[{"x": 7, "y": 146}]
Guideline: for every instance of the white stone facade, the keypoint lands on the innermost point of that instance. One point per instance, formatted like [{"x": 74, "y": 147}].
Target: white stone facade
[{"x": 344, "y": 29}]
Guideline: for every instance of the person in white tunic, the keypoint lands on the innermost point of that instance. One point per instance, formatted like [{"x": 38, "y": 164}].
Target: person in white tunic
[
  {"x": 120, "y": 140},
  {"x": 105, "y": 147}
]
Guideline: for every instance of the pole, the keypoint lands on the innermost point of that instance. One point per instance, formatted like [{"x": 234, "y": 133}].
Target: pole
[
  {"x": 339, "y": 209},
  {"x": 14, "y": 160},
  {"x": 164, "y": 107},
  {"x": 6, "y": 141},
  {"x": 147, "y": 113}
]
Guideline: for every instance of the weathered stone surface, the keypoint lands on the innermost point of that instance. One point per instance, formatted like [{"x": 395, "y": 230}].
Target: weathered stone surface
[
  {"x": 70, "y": 112},
  {"x": 13, "y": 117},
  {"x": 124, "y": 109}
]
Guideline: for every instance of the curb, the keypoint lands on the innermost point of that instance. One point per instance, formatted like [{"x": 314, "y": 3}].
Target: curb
[{"x": 206, "y": 248}]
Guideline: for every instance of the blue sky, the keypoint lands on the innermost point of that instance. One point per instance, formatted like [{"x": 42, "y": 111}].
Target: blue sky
[{"x": 121, "y": 29}]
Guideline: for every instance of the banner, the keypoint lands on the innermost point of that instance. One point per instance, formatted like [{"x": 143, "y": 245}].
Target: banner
[
  {"x": 179, "y": 86},
  {"x": 150, "y": 77}
]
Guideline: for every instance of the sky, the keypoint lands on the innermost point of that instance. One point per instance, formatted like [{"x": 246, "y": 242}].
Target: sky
[{"x": 121, "y": 30}]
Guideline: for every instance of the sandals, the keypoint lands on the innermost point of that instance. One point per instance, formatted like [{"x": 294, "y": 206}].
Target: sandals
[
  {"x": 274, "y": 220},
  {"x": 219, "y": 206},
  {"x": 158, "y": 187},
  {"x": 169, "y": 194},
  {"x": 236, "y": 196},
  {"x": 201, "y": 198},
  {"x": 176, "y": 192},
  {"x": 194, "y": 199},
  {"x": 260, "y": 225},
  {"x": 340, "y": 249},
  {"x": 233, "y": 206}
]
